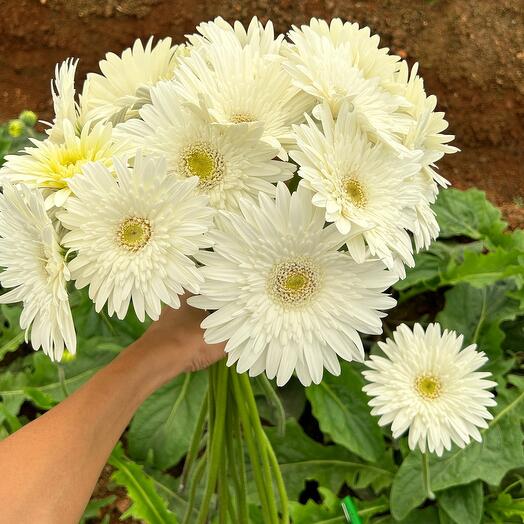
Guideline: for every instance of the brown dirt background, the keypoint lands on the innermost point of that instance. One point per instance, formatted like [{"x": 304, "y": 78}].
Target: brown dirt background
[{"x": 471, "y": 56}]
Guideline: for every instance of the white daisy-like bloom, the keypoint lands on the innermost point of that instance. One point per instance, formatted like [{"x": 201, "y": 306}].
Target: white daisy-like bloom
[
  {"x": 123, "y": 85},
  {"x": 340, "y": 63},
  {"x": 230, "y": 161},
  {"x": 286, "y": 298},
  {"x": 52, "y": 166},
  {"x": 425, "y": 135},
  {"x": 242, "y": 80},
  {"x": 133, "y": 234},
  {"x": 428, "y": 385},
  {"x": 35, "y": 271},
  {"x": 64, "y": 102},
  {"x": 256, "y": 34},
  {"x": 359, "y": 184}
]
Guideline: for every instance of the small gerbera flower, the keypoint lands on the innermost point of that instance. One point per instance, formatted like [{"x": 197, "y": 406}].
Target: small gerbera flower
[
  {"x": 286, "y": 299},
  {"x": 256, "y": 34},
  {"x": 241, "y": 79},
  {"x": 123, "y": 85},
  {"x": 342, "y": 63},
  {"x": 134, "y": 234},
  {"x": 230, "y": 161},
  {"x": 430, "y": 386},
  {"x": 359, "y": 184},
  {"x": 52, "y": 166},
  {"x": 36, "y": 271},
  {"x": 425, "y": 134}
]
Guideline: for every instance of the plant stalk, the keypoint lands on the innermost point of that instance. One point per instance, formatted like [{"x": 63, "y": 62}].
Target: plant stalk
[{"x": 426, "y": 477}]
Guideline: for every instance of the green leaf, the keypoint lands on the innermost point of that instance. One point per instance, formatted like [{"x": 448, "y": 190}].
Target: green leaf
[
  {"x": 326, "y": 511},
  {"x": 463, "y": 504},
  {"x": 94, "y": 507},
  {"x": 341, "y": 408},
  {"x": 147, "y": 505},
  {"x": 418, "y": 516},
  {"x": 480, "y": 269},
  {"x": 467, "y": 213},
  {"x": 167, "y": 487},
  {"x": 504, "y": 508},
  {"x": 499, "y": 452},
  {"x": 478, "y": 314},
  {"x": 13, "y": 424},
  {"x": 166, "y": 420},
  {"x": 301, "y": 459},
  {"x": 39, "y": 398},
  {"x": 11, "y": 335}
]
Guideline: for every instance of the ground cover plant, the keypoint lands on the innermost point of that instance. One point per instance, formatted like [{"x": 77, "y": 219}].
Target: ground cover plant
[{"x": 326, "y": 442}]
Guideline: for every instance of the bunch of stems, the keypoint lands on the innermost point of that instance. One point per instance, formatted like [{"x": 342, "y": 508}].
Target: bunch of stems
[{"x": 231, "y": 417}]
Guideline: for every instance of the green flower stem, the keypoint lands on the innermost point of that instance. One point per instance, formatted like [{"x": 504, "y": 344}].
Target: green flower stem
[
  {"x": 274, "y": 400},
  {"x": 252, "y": 450},
  {"x": 216, "y": 441},
  {"x": 194, "y": 446},
  {"x": 195, "y": 481},
  {"x": 223, "y": 492},
  {"x": 280, "y": 481},
  {"x": 426, "y": 480},
  {"x": 235, "y": 456},
  {"x": 260, "y": 437}
]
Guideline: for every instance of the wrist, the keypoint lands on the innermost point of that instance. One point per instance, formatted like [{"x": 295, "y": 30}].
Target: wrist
[{"x": 146, "y": 367}]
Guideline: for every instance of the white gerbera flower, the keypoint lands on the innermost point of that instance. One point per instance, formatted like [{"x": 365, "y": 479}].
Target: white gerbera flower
[
  {"x": 123, "y": 86},
  {"x": 359, "y": 183},
  {"x": 52, "y": 166},
  {"x": 238, "y": 81},
  {"x": 64, "y": 103},
  {"x": 342, "y": 63},
  {"x": 428, "y": 385},
  {"x": 36, "y": 270},
  {"x": 425, "y": 135},
  {"x": 133, "y": 235},
  {"x": 229, "y": 161},
  {"x": 258, "y": 35},
  {"x": 286, "y": 298}
]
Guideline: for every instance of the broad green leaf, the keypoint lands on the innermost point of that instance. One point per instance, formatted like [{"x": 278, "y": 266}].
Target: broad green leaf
[
  {"x": 341, "y": 408},
  {"x": 418, "y": 516},
  {"x": 11, "y": 335},
  {"x": 467, "y": 213},
  {"x": 478, "y": 314},
  {"x": 165, "y": 422},
  {"x": 480, "y": 269},
  {"x": 301, "y": 459},
  {"x": 500, "y": 451},
  {"x": 463, "y": 504},
  {"x": 147, "y": 505}
]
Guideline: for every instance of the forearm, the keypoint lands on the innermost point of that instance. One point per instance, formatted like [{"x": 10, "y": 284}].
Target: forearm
[{"x": 50, "y": 466}]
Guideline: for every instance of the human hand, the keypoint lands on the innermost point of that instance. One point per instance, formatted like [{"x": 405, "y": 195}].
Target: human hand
[{"x": 174, "y": 344}]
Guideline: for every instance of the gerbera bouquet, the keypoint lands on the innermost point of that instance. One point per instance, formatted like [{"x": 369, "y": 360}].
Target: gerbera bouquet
[{"x": 286, "y": 184}]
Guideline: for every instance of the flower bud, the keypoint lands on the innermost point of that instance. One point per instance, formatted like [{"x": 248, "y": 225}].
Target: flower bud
[
  {"x": 15, "y": 128},
  {"x": 28, "y": 118}
]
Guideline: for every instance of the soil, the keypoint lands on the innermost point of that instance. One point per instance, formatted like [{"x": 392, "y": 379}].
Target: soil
[{"x": 471, "y": 56}]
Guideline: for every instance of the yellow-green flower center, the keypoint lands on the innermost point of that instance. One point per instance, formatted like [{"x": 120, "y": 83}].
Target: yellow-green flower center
[
  {"x": 293, "y": 282},
  {"x": 134, "y": 233},
  {"x": 354, "y": 191},
  {"x": 240, "y": 118},
  {"x": 428, "y": 387},
  {"x": 203, "y": 161}
]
